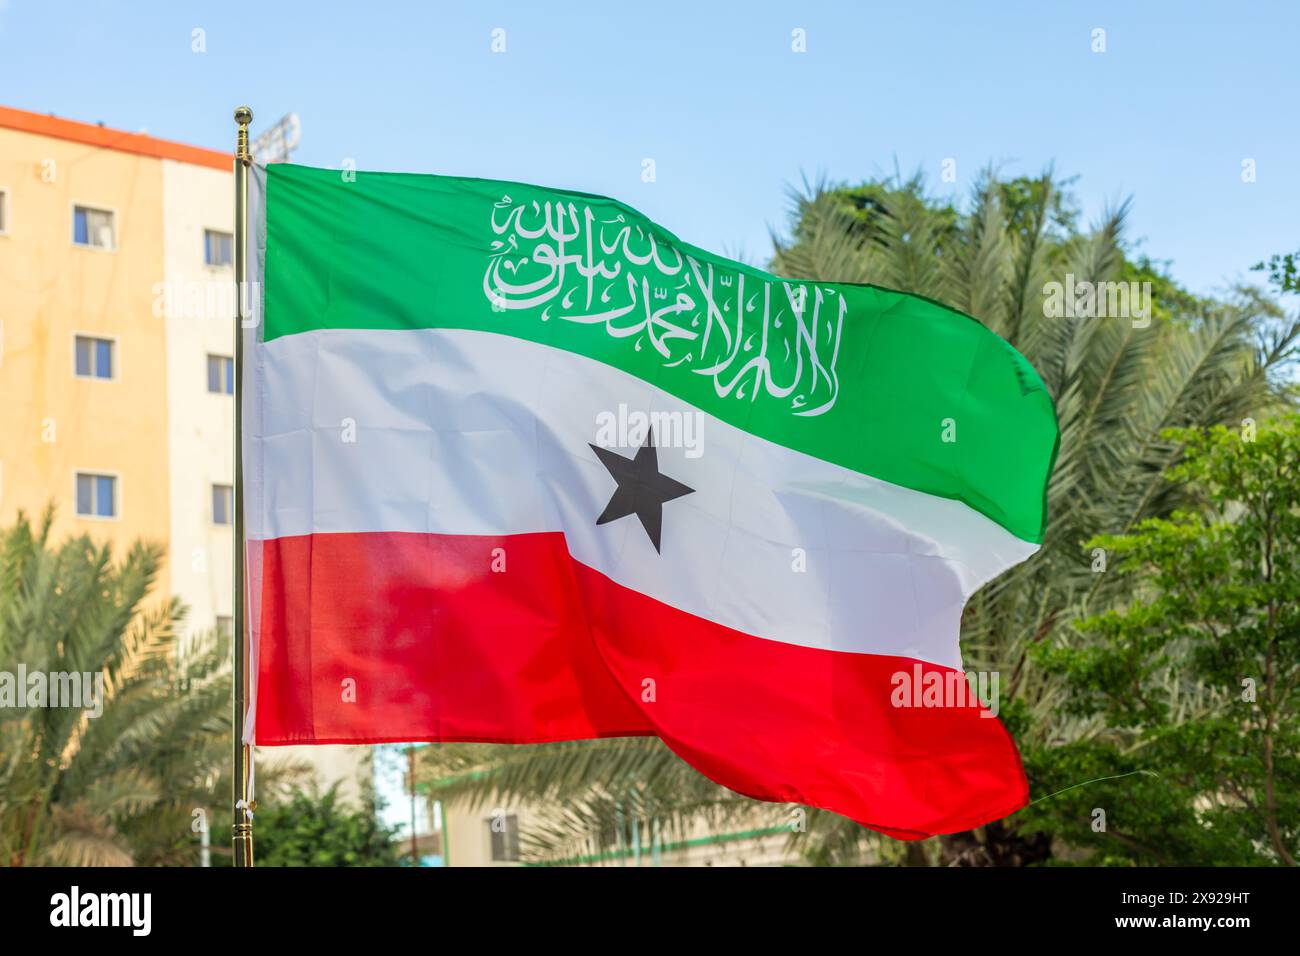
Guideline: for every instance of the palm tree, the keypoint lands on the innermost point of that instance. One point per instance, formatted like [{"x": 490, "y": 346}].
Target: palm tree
[
  {"x": 1117, "y": 385},
  {"x": 120, "y": 788}
]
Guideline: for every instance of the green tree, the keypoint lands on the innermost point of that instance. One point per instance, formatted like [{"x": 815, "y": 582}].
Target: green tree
[
  {"x": 314, "y": 829},
  {"x": 1118, "y": 385},
  {"x": 1283, "y": 271},
  {"x": 119, "y": 788},
  {"x": 1195, "y": 676}
]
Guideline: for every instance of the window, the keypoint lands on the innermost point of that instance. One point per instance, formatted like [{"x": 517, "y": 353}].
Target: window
[
  {"x": 93, "y": 227},
  {"x": 225, "y": 625},
  {"x": 221, "y": 374},
  {"x": 223, "y": 504},
  {"x": 95, "y": 357},
  {"x": 96, "y": 495},
  {"x": 505, "y": 838},
  {"x": 218, "y": 248},
  {"x": 4, "y": 211}
]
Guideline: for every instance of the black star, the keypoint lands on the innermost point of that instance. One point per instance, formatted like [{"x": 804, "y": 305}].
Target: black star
[{"x": 641, "y": 490}]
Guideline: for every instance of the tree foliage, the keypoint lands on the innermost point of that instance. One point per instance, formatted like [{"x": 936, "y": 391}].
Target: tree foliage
[
  {"x": 315, "y": 829},
  {"x": 131, "y": 785},
  {"x": 75, "y": 789},
  {"x": 1194, "y": 677}
]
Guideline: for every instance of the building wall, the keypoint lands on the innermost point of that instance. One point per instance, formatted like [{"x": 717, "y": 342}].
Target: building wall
[
  {"x": 466, "y": 836},
  {"x": 155, "y": 426},
  {"x": 762, "y": 841},
  {"x": 54, "y": 423},
  {"x": 328, "y": 764},
  {"x": 201, "y": 426}
]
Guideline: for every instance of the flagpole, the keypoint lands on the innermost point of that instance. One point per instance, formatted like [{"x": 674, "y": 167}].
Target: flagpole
[{"x": 242, "y": 828}]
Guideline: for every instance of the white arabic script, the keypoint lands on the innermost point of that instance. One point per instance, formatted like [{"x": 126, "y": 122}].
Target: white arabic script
[{"x": 752, "y": 336}]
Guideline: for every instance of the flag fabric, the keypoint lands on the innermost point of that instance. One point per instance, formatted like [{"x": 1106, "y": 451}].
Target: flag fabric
[{"x": 522, "y": 466}]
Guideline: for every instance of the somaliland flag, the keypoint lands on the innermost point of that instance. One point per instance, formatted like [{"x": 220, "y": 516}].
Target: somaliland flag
[{"x": 522, "y": 466}]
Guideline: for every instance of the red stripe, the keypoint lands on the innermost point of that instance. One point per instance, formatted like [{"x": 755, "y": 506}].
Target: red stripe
[{"x": 440, "y": 646}]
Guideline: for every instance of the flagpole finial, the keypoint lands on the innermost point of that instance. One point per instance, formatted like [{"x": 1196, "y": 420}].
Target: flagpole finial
[{"x": 243, "y": 116}]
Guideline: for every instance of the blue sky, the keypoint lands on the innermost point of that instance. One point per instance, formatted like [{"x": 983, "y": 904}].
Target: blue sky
[{"x": 714, "y": 95}]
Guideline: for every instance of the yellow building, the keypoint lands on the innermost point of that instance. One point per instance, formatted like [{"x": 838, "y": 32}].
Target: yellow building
[
  {"x": 116, "y": 356},
  {"x": 83, "y": 358}
]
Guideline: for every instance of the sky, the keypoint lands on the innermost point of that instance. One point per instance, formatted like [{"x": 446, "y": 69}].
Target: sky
[{"x": 715, "y": 94}]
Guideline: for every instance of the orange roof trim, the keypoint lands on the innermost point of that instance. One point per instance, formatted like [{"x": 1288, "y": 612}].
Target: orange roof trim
[{"x": 94, "y": 135}]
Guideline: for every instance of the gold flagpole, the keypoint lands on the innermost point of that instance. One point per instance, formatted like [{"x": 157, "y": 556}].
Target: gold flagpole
[{"x": 243, "y": 754}]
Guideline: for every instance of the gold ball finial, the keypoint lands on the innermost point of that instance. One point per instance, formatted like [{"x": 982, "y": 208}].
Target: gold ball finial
[{"x": 243, "y": 116}]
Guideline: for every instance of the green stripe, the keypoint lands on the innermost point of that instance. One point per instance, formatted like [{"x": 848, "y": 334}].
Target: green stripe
[{"x": 403, "y": 251}]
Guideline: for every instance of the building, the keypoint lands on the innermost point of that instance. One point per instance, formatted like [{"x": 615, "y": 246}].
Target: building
[
  {"x": 116, "y": 355},
  {"x": 83, "y": 360},
  {"x": 198, "y": 268},
  {"x": 492, "y": 836}
]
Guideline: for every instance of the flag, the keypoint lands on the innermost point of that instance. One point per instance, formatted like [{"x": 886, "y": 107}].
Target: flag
[{"x": 522, "y": 466}]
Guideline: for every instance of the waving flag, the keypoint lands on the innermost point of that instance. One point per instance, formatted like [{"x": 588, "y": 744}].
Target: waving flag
[{"x": 522, "y": 466}]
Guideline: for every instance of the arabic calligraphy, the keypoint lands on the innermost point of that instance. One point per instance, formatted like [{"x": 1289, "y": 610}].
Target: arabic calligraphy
[{"x": 751, "y": 336}]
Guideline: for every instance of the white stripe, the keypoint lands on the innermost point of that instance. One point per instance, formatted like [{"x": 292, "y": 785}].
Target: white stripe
[
  {"x": 250, "y": 400},
  {"x": 460, "y": 432}
]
